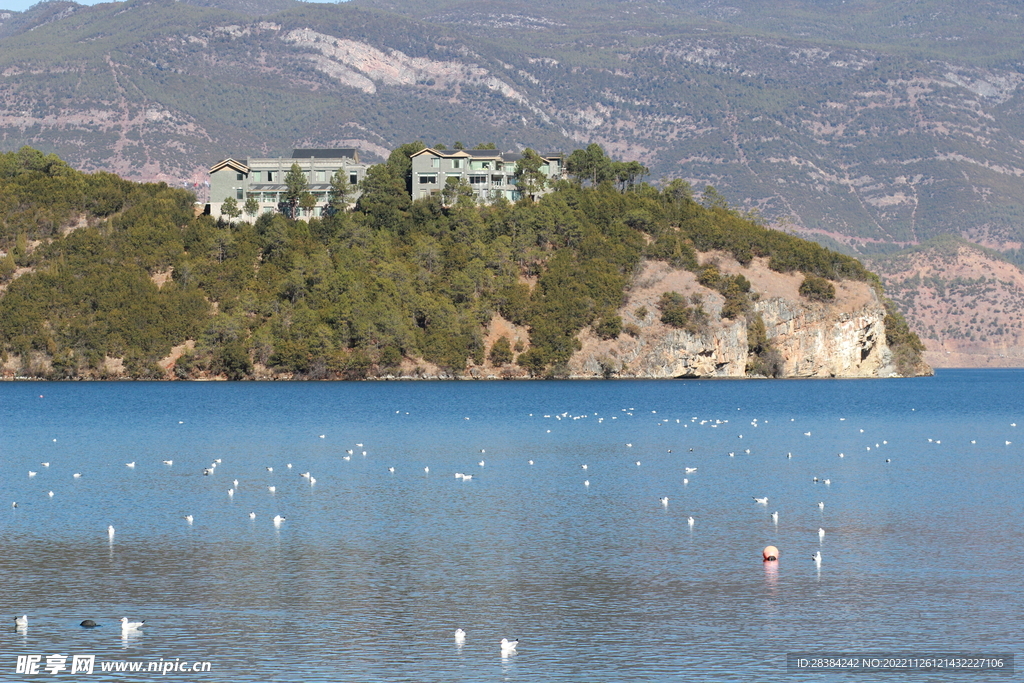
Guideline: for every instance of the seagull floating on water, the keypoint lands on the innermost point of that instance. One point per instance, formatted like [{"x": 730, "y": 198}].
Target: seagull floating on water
[
  {"x": 508, "y": 646},
  {"x": 252, "y": 515},
  {"x": 272, "y": 489},
  {"x": 691, "y": 470},
  {"x": 188, "y": 518},
  {"x": 689, "y": 521},
  {"x": 775, "y": 516},
  {"x": 131, "y": 625},
  {"x": 460, "y": 635},
  {"x": 664, "y": 501},
  {"x": 21, "y": 622},
  {"x": 760, "y": 501},
  {"x": 278, "y": 519},
  {"x": 130, "y": 465},
  {"x": 110, "y": 532},
  {"x": 821, "y": 534},
  {"x": 821, "y": 506},
  {"x": 168, "y": 462},
  {"x": 77, "y": 475},
  {"x": 816, "y": 557},
  {"x": 31, "y": 474}
]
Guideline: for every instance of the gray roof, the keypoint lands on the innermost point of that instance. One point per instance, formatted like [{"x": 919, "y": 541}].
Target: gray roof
[{"x": 339, "y": 153}]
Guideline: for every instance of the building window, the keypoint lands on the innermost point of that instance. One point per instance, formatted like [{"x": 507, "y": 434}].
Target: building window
[
  {"x": 238, "y": 193},
  {"x": 477, "y": 180},
  {"x": 353, "y": 179},
  {"x": 456, "y": 163},
  {"x": 321, "y": 176},
  {"x": 256, "y": 175},
  {"x": 270, "y": 176},
  {"x": 435, "y": 162},
  {"x": 428, "y": 179},
  {"x": 239, "y": 176}
]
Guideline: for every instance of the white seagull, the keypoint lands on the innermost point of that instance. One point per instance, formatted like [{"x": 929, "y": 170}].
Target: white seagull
[
  {"x": 817, "y": 558},
  {"x": 252, "y": 515},
  {"x": 821, "y": 506},
  {"x": 46, "y": 464},
  {"x": 664, "y": 501},
  {"x": 188, "y": 518},
  {"x": 110, "y": 532},
  {"x": 77, "y": 475},
  {"x": 130, "y": 625},
  {"x": 775, "y": 516},
  {"x": 821, "y": 534},
  {"x": 690, "y": 522},
  {"x": 21, "y": 622},
  {"x": 130, "y": 465},
  {"x": 460, "y": 635},
  {"x": 508, "y": 646},
  {"x": 272, "y": 489},
  {"x": 31, "y": 474},
  {"x": 690, "y": 470},
  {"x": 168, "y": 462},
  {"x": 278, "y": 519},
  {"x": 760, "y": 501}
]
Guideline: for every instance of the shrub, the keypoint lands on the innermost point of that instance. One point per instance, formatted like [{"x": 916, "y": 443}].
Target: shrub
[
  {"x": 817, "y": 288},
  {"x": 609, "y": 327},
  {"x": 675, "y": 313},
  {"x": 501, "y": 352}
]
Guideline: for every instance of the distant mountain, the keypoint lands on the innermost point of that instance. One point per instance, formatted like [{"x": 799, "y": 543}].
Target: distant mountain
[
  {"x": 867, "y": 125},
  {"x": 965, "y": 302}
]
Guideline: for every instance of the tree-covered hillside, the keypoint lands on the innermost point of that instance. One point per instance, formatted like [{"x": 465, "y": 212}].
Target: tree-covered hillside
[{"x": 98, "y": 268}]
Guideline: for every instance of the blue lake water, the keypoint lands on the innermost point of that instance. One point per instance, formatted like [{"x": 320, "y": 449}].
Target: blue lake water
[{"x": 372, "y": 571}]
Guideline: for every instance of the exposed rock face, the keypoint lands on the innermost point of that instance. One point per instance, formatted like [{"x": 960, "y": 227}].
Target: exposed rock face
[{"x": 844, "y": 338}]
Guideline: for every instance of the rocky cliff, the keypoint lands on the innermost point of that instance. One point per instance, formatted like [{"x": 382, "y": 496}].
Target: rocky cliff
[{"x": 842, "y": 338}]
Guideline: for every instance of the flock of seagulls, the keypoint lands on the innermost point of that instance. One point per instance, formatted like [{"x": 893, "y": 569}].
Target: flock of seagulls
[{"x": 507, "y": 647}]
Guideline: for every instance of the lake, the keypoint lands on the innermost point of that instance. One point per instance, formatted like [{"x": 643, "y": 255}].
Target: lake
[{"x": 372, "y": 570}]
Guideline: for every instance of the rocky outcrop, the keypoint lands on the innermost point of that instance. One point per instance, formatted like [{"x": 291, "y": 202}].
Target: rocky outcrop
[{"x": 843, "y": 338}]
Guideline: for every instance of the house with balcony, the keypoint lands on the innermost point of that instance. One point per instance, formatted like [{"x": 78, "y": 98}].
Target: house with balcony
[
  {"x": 488, "y": 172},
  {"x": 263, "y": 179}
]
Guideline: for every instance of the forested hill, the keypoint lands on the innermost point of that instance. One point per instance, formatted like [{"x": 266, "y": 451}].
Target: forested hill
[{"x": 104, "y": 278}]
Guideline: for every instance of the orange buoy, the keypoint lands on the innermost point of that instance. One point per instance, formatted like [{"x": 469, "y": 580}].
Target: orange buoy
[{"x": 770, "y": 553}]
